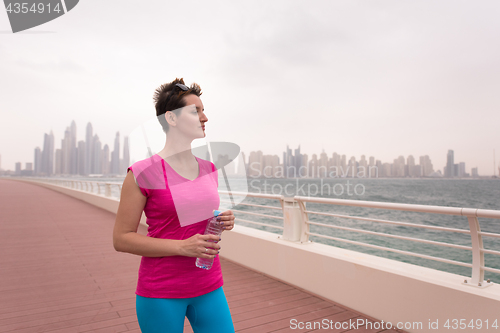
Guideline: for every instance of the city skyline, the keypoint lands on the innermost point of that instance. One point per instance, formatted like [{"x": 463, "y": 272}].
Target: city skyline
[
  {"x": 298, "y": 165},
  {"x": 78, "y": 157}
]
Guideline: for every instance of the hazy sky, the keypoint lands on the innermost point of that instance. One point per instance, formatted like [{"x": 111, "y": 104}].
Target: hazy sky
[{"x": 379, "y": 78}]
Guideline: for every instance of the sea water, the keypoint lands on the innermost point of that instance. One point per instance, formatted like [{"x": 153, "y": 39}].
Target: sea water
[{"x": 467, "y": 193}]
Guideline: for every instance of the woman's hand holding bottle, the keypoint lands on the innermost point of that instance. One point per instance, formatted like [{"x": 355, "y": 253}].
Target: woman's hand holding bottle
[
  {"x": 227, "y": 220},
  {"x": 200, "y": 246}
]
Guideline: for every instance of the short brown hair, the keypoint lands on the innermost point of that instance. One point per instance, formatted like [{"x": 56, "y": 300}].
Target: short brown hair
[{"x": 164, "y": 102}]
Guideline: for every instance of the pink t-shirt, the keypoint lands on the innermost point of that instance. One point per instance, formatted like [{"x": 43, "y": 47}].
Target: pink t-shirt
[{"x": 176, "y": 208}]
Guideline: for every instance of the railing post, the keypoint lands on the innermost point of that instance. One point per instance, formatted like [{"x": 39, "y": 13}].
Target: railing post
[
  {"x": 292, "y": 224},
  {"x": 304, "y": 236},
  {"x": 477, "y": 278},
  {"x": 108, "y": 190},
  {"x": 295, "y": 228}
]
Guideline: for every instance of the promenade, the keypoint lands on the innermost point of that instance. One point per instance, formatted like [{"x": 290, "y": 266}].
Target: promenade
[{"x": 59, "y": 273}]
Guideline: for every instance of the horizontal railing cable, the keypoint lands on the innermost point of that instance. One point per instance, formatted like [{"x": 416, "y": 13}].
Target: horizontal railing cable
[
  {"x": 258, "y": 223},
  {"x": 258, "y": 214},
  {"x": 254, "y": 205},
  {"x": 391, "y": 222},
  {"x": 448, "y": 261},
  {"x": 462, "y": 247}
]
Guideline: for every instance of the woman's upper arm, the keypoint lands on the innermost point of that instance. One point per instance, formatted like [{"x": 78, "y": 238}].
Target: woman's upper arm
[{"x": 132, "y": 203}]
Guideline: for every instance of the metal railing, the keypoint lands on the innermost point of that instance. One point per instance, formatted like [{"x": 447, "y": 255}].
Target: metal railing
[
  {"x": 478, "y": 266},
  {"x": 296, "y": 222},
  {"x": 100, "y": 188}
]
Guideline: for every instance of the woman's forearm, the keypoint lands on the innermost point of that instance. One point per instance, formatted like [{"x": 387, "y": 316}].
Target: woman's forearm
[{"x": 132, "y": 242}]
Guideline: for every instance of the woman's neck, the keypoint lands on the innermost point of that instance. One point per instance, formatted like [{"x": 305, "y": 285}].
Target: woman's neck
[{"x": 177, "y": 150}]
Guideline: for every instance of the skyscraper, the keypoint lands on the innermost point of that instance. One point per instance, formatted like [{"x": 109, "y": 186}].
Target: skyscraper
[
  {"x": 410, "y": 169},
  {"x": 322, "y": 165},
  {"x": 105, "y": 160},
  {"x": 88, "y": 149},
  {"x": 81, "y": 157},
  {"x": 73, "y": 161},
  {"x": 426, "y": 165},
  {"x": 38, "y": 161},
  {"x": 126, "y": 156},
  {"x": 255, "y": 161},
  {"x": 96, "y": 156},
  {"x": 47, "y": 167},
  {"x": 115, "y": 156},
  {"x": 66, "y": 152},
  {"x": 450, "y": 164}
]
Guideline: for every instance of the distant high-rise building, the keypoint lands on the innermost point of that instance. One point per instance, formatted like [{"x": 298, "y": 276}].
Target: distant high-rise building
[
  {"x": 372, "y": 168},
  {"x": 47, "y": 167},
  {"x": 270, "y": 165},
  {"x": 255, "y": 161},
  {"x": 343, "y": 164},
  {"x": 398, "y": 167},
  {"x": 96, "y": 156},
  {"x": 105, "y": 160},
  {"x": 362, "y": 171},
  {"x": 303, "y": 173},
  {"x": 73, "y": 161},
  {"x": 292, "y": 163},
  {"x": 38, "y": 161},
  {"x": 297, "y": 159},
  {"x": 410, "y": 167},
  {"x": 334, "y": 167},
  {"x": 386, "y": 170},
  {"x": 115, "y": 156},
  {"x": 126, "y": 156},
  {"x": 450, "y": 164},
  {"x": 474, "y": 172},
  {"x": 81, "y": 158},
  {"x": 426, "y": 165},
  {"x": 378, "y": 170},
  {"x": 18, "y": 168},
  {"x": 59, "y": 162},
  {"x": 461, "y": 170},
  {"x": 66, "y": 151},
  {"x": 89, "y": 145},
  {"x": 313, "y": 166},
  {"x": 322, "y": 171}
]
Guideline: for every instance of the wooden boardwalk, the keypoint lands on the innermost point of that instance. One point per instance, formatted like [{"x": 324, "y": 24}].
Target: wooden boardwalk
[{"x": 59, "y": 273}]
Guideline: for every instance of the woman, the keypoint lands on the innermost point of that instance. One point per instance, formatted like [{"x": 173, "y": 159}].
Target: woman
[{"x": 178, "y": 193}]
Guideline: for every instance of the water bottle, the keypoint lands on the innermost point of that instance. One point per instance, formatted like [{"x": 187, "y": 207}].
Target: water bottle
[{"x": 213, "y": 228}]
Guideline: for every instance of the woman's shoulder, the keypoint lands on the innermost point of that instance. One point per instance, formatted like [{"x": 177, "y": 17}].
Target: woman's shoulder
[
  {"x": 206, "y": 164},
  {"x": 150, "y": 167},
  {"x": 146, "y": 163}
]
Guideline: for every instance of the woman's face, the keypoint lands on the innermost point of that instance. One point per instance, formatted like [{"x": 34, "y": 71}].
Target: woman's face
[{"x": 192, "y": 118}]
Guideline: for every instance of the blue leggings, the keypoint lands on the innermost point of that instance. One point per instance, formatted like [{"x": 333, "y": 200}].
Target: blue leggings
[{"x": 207, "y": 313}]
